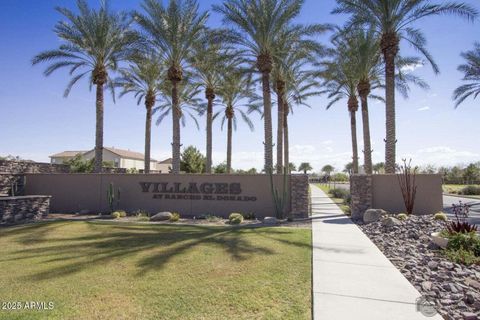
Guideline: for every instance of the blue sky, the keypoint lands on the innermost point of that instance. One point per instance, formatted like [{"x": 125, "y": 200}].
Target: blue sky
[{"x": 36, "y": 121}]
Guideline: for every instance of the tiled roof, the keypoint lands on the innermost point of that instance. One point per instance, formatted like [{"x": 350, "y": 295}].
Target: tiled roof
[{"x": 66, "y": 154}]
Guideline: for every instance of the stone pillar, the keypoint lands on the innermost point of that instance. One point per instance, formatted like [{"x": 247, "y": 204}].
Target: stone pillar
[
  {"x": 299, "y": 197},
  {"x": 362, "y": 197}
]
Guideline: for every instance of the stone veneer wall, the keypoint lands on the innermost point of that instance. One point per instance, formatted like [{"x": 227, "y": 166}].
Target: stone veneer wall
[
  {"x": 362, "y": 196},
  {"x": 24, "y": 208},
  {"x": 8, "y": 166},
  {"x": 299, "y": 196}
]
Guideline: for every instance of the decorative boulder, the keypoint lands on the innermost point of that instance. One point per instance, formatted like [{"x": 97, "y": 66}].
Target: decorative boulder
[
  {"x": 161, "y": 216},
  {"x": 390, "y": 222},
  {"x": 270, "y": 220},
  {"x": 373, "y": 215}
]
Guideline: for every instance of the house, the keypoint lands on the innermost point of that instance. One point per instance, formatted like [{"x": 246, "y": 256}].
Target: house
[{"x": 120, "y": 158}]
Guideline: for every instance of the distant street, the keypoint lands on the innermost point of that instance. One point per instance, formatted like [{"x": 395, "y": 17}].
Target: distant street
[
  {"x": 447, "y": 203},
  {"x": 474, "y": 209}
]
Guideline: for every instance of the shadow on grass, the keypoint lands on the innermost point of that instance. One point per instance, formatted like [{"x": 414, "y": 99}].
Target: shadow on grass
[{"x": 106, "y": 241}]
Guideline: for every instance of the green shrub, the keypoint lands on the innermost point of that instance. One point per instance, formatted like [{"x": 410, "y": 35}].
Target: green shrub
[
  {"x": 339, "y": 193},
  {"x": 440, "y": 216},
  {"x": 470, "y": 191},
  {"x": 212, "y": 218},
  {"x": 141, "y": 213},
  {"x": 466, "y": 241},
  {"x": 119, "y": 214},
  {"x": 402, "y": 216},
  {"x": 175, "y": 217},
  {"x": 348, "y": 199},
  {"x": 235, "y": 218},
  {"x": 249, "y": 216},
  {"x": 462, "y": 256}
]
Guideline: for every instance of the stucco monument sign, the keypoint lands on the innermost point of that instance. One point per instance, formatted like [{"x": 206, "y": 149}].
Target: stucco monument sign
[
  {"x": 187, "y": 194},
  {"x": 220, "y": 191}
]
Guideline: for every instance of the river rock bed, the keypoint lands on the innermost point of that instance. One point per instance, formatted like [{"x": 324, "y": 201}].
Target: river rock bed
[{"x": 454, "y": 288}]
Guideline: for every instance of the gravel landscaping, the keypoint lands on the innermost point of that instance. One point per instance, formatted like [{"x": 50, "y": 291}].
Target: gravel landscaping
[{"x": 454, "y": 288}]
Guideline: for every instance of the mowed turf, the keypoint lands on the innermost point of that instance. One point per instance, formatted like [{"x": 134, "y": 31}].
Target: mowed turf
[{"x": 109, "y": 270}]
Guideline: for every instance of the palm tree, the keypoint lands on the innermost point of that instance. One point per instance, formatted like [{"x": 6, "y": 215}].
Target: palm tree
[
  {"x": 93, "y": 43},
  {"x": 173, "y": 32},
  {"x": 305, "y": 167},
  {"x": 234, "y": 90},
  {"x": 392, "y": 20},
  {"x": 209, "y": 61},
  {"x": 260, "y": 23},
  {"x": 366, "y": 56},
  {"x": 471, "y": 71},
  {"x": 300, "y": 86},
  {"x": 143, "y": 79},
  {"x": 187, "y": 103},
  {"x": 295, "y": 48},
  {"x": 341, "y": 83}
]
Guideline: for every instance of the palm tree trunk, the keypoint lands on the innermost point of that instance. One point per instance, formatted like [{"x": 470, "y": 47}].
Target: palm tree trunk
[
  {"x": 229, "y": 144},
  {"x": 285, "y": 137},
  {"x": 267, "y": 116},
  {"x": 210, "y": 96},
  {"x": 280, "y": 114},
  {"x": 353, "y": 126},
  {"x": 148, "y": 134},
  {"x": 176, "y": 129},
  {"x": 364, "y": 90},
  {"x": 99, "y": 129},
  {"x": 389, "y": 44}
]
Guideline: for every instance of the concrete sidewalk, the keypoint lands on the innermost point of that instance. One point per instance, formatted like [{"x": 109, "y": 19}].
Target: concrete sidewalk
[{"x": 352, "y": 279}]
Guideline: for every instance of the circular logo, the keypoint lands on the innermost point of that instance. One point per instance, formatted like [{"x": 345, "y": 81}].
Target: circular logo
[{"x": 426, "y": 307}]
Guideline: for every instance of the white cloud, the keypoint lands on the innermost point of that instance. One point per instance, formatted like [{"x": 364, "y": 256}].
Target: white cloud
[
  {"x": 425, "y": 108},
  {"x": 411, "y": 67},
  {"x": 442, "y": 155}
]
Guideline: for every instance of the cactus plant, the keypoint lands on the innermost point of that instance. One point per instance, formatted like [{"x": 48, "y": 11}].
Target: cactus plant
[{"x": 113, "y": 197}]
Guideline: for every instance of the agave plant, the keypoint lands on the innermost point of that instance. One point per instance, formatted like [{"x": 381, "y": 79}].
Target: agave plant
[{"x": 460, "y": 225}]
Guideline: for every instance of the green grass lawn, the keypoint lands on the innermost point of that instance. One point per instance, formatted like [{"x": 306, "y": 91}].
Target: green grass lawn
[
  {"x": 339, "y": 201},
  {"x": 455, "y": 188},
  {"x": 109, "y": 270}
]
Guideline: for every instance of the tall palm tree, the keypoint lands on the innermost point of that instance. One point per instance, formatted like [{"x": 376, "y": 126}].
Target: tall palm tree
[
  {"x": 341, "y": 83},
  {"x": 366, "y": 56},
  {"x": 301, "y": 85},
  {"x": 393, "y": 20},
  {"x": 209, "y": 61},
  {"x": 188, "y": 101},
  {"x": 143, "y": 78},
  {"x": 173, "y": 32},
  {"x": 294, "y": 48},
  {"x": 471, "y": 73},
  {"x": 93, "y": 44},
  {"x": 234, "y": 92},
  {"x": 260, "y": 22}
]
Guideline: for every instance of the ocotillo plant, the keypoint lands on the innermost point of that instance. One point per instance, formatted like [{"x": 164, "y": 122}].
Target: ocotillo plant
[
  {"x": 113, "y": 197},
  {"x": 406, "y": 180}
]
